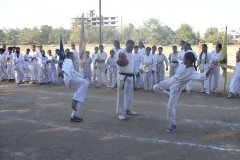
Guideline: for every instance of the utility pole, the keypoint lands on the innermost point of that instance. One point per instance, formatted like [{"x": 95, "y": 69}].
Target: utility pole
[{"x": 100, "y": 23}]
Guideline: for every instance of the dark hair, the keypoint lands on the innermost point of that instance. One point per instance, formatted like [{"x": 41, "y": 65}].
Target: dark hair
[
  {"x": 101, "y": 46},
  {"x": 42, "y": 51},
  {"x": 190, "y": 56},
  {"x": 160, "y": 48},
  {"x": 112, "y": 51},
  {"x": 72, "y": 45},
  {"x": 28, "y": 49},
  {"x": 87, "y": 52},
  {"x": 32, "y": 45},
  {"x": 67, "y": 50},
  {"x": 154, "y": 47},
  {"x": 135, "y": 46},
  {"x": 17, "y": 51},
  {"x": 96, "y": 48},
  {"x": 49, "y": 51},
  {"x": 40, "y": 46},
  {"x": 188, "y": 44},
  {"x": 219, "y": 45},
  {"x": 56, "y": 50},
  {"x": 182, "y": 41},
  {"x": 148, "y": 48},
  {"x": 141, "y": 42},
  {"x": 68, "y": 54},
  {"x": 2, "y": 50},
  {"x": 174, "y": 47},
  {"x": 10, "y": 48},
  {"x": 17, "y": 48},
  {"x": 202, "y": 52},
  {"x": 130, "y": 42}
]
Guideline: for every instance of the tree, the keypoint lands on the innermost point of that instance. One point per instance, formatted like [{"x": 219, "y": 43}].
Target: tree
[
  {"x": 45, "y": 32},
  {"x": 127, "y": 32},
  {"x": 2, "y": 36},
  {"x": 54, "y": 36},
  {"x": 186, "y": 33},
  {"x": 31, "y": 36},
  {"x": 212, "y": 35},
  {"x": 12, "y": 36}
]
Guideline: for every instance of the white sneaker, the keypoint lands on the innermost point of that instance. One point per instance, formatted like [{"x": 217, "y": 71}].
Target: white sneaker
[
  {"x": 131, "y": 112},
  {"x": 207, "y": 93},
  {"x": 202, "y": 91},
  {"x": 121, "y": 117}
]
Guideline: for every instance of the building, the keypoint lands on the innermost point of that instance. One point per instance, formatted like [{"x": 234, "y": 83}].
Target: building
[
  {"x": 235, "y": 33},
  {"x": 94, "y": 20}
]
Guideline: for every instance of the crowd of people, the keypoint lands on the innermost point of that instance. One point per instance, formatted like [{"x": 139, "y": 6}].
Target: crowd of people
[{"x": 146, "y": 66}]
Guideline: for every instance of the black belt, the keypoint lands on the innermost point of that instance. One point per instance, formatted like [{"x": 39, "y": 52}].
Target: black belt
[{"x": 128, "y": 75}]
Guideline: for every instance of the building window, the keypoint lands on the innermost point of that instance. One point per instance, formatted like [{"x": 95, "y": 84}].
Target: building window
[
  {"x": 93, "y": 23},
  {"x": 106, "y": 18},
  {"x": 93, "y": 19},
  {"x": 89, "y": 20},
  {"x": 112, "y": 18},
  {"x": 112, "y": 22},
  {"x": 105, "y": 22}
]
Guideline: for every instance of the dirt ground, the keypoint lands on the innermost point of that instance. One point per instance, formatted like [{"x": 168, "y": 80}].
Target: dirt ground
[{"x": 34, "y": 124}]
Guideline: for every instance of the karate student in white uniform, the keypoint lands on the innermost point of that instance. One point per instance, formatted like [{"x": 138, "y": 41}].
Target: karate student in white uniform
[
  {"x": 10, "y": 70},
  {"x": 111, "y": 69},
  {"x": 33, "y": 64},
  {"x": 94, "y": 57},
  {"x": 234, "y": 84},
  {"x": 216, "y": 71},
  {"x": 5, "y": 50},
  {"x": 173, "y": 61},
  {"x": 87, "y": 72},
  {"x": 101, "y": 58},
  {"x": 160, "y": 68},
  {"x": 184, "y": 74},
  {"x": 148, "y": 68},
  {"x": 116, "y": 46},
  {"x": 44, "y": 72},
  {"x": 154, "y": 56},
  {"x": 203, "y": 64},
  {"x": 125, "y": 82},
  {"x": 18, "y": 65},
  {"x": 142, "y": 52},
  {"x": 27, "y": 59},
  {"x": 137, "y": 59},
  {"x": 52, "y": 67},
  {"x": 3, "y": 65},
  {"x": 39, "y": 55},
  {"x": 76, "y": 58},
  {"x": 75, "y": 82}
]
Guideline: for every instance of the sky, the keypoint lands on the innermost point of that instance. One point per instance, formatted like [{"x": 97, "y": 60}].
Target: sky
[{"x": 58, "y": 13}]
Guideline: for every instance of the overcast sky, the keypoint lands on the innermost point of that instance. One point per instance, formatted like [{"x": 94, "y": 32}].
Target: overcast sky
[{"x": 200, "y": 14}]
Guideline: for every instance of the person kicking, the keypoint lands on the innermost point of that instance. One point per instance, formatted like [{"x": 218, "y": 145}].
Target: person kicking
[{"x": 75, "y": 82}]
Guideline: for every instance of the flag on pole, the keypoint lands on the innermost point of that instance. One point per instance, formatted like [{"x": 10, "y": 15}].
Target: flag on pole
[
  {"x": 223, "y": 60},
  {"x": 61, "y": 54},
  {"x": 83, "y": 41}
]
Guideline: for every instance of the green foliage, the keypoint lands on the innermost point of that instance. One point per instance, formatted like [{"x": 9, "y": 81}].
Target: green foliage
[
  {"x": 212, "y": 35},
  {"x": 186, "y": 33},
  {"x": 12, "y": 36},
  {"x": 2, "y": 36}
]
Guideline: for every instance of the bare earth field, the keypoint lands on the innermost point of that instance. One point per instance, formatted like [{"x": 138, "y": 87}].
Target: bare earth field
[{"x": 34, "y": 124}]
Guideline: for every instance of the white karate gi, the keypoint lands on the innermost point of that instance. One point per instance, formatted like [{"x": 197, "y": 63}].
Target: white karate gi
[
  {"x": 216, "y": 71},
  {"x": 18, "y": 65},
  {"x": 142, "y": 52},
  {"x": 173, "y": 66},
  {"x": 39, "y": 56},
  {"x": 111, "y": 66},
  {"x": 10, "y": 70},
  {"x": 27, "y": 60},
  {"x": 176, "y": 84},
  {"x": 33, "y": 65},
  {"x": 75, "y": 82},
  {"x": 154, "y": 76},
  {"x": 125, "y": 83},
  {"x": 203, "y": 64},
  {"x": 235, "y": 80},
  {"x": 60, "y": 79},
  {"x": 137, "y": 59},
  {"x": 160, "y": 68},
  {"x": 3, "y": 65},
  {"x": 94, "y": 57},
  {"x": 43, "y": 69},
  {"x": 87, "y": 72},
  {"x": 147, "y": 66},
  {"x": 115, "y": 51},
  {"x": 52, "y": 74},
  {"x": 101, "y": 76},
  {"x": 76, "y": 60}
]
